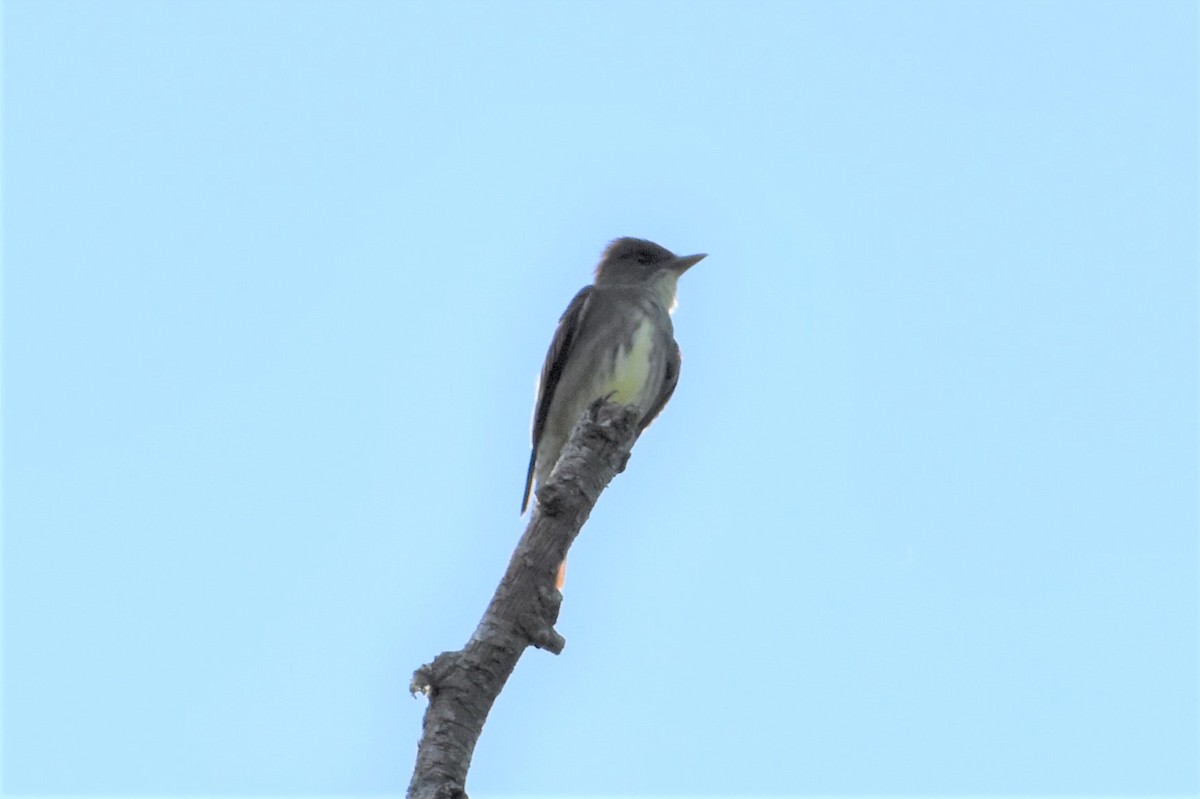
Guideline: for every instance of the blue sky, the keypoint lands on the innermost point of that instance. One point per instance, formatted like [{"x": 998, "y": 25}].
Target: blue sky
[{"x": 921, "y": 517}]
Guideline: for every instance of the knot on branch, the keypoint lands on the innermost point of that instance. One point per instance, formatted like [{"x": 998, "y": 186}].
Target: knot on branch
[
  {"x": 447, "y": 790},
  {"x": 537, "y": 623},
  {"x": 426, "y": 679}
]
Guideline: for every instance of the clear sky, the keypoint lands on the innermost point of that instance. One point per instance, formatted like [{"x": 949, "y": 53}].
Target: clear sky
[{"x": 921, "y": 517}]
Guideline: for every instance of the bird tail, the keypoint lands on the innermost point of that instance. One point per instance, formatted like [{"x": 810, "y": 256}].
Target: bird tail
[{"x": 529, "y": 480}]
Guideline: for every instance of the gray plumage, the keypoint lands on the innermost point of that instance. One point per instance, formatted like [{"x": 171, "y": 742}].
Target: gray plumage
[{"x": 615, "y": 340}]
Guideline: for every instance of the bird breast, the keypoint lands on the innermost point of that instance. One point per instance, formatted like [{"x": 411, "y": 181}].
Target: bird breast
[{"x": 633, "y": 381}]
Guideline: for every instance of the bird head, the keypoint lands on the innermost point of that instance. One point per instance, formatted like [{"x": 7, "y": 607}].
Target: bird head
[{"x": 637, "y": 262}]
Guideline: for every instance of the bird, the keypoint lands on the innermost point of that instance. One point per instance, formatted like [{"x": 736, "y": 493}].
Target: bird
[{"x": 615, "y": 341}]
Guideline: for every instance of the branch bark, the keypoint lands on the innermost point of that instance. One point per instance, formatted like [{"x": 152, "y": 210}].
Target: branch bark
[{"x": 463, "y": 685}]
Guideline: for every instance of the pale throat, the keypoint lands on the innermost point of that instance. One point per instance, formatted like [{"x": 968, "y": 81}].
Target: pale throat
[{"x": 664, "y": 290}]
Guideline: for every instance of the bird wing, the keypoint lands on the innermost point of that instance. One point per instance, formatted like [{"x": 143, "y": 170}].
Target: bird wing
[
  {"x": 670, "y": 380},
  {"x": 552, "y": 369}
]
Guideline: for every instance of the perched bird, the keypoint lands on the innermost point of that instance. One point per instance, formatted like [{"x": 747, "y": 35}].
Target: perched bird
[{"x": 614, "y": 341}]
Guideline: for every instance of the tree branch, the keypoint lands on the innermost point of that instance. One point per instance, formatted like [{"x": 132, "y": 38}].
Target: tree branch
[{"x": 461, "y": 686}]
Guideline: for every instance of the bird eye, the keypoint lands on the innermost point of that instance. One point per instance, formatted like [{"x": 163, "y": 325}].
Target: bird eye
[{"x": 644, "y": 257}]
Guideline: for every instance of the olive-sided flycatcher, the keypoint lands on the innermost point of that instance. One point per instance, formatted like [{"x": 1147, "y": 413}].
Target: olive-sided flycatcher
[{"x": 614, "y": 341}]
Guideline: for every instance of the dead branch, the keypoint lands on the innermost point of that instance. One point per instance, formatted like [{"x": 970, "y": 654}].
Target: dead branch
[{"x": 462, "y": 685}]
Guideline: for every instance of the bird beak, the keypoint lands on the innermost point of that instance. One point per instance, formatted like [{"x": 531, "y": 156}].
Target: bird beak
[{"x": 685, "y": 262}]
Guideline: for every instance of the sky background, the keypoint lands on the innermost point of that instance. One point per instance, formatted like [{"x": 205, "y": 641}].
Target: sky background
[{"x": 921, "y": 517}]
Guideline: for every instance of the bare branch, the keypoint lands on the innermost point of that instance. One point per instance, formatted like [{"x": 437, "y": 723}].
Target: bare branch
[{"x": 461, "y": 686}]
